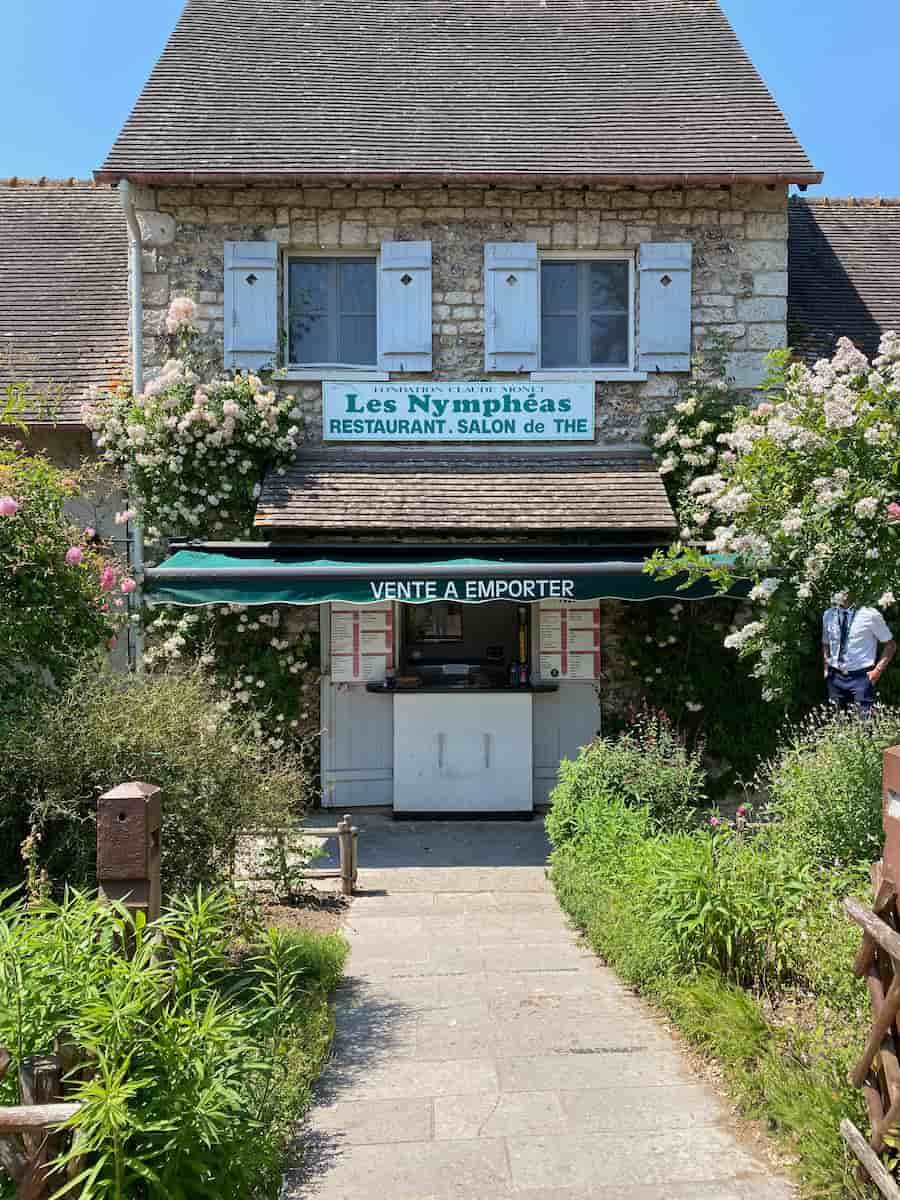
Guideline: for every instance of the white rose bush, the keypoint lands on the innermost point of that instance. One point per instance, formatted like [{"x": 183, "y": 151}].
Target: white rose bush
[
  {"x": 801, "y": 498},
  {"x": 195, "y": 452}
]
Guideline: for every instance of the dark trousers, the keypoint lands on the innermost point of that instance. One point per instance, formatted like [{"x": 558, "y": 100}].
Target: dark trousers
[{"x": 853, "y": 691}]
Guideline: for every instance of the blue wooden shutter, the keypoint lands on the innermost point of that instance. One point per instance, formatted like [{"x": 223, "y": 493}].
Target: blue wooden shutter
[
  {"x": 511, "y": 306},
  {"x": 665, "y": 306},
  {"x": 404, "y": 306},
  {"x": 251, "y": 304}
]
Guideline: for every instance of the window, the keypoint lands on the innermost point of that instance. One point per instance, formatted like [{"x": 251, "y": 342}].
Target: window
[
  {"x": 332, "y": 311},
  {"x": 586, "y": 313}
]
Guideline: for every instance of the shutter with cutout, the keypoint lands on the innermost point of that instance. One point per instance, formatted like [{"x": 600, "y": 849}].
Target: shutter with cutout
[
  {"x": 665, "y": 300},
  {"x": 251, "y": 304},
  {"x": 511, "y": 306},
  {"x": 404, "y": 306}
]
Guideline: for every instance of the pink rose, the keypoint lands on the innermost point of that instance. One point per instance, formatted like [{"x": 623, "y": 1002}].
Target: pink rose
[
  {"x": 17, "y": 445},
  {"x": 108, "y": 579},
  {"x": 128, "y": 586},
  {"x": 74, "y": 555},
  {"x": 8, "y": 506},
  {"x": 893, "y": 511}
]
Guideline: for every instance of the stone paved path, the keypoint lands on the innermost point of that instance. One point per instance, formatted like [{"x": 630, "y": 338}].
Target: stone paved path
[{"x": 483, "y": 1054}]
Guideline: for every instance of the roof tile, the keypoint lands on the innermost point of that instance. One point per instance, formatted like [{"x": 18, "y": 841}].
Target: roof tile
[
  {"x": 469, "y": 493},
  {"x": 617, "y": 88},
  {"x": 63, "y": 294}
]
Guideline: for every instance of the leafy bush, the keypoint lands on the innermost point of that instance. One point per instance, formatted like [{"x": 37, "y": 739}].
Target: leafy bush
[
  {"x": 56, "y": 585},
  {"x": 198, "y": 1065},
  {"x": 648, "y": 767},
  {"x": 802, "y": 500},
  {"x": 825, "y": 786},
  {"x": 217, "y": 777}
]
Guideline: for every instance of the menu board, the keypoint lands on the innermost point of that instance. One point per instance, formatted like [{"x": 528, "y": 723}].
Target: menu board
[
  {"x": 570, "y": 639},
  {"x": 362, "y": 643}
]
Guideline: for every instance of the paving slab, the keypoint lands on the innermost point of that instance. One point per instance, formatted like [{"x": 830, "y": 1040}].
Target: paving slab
[{"x": 482, "y": 1053}]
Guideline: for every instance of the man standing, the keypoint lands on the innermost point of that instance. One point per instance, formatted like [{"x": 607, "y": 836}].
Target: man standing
[{"x": 850, "y": 641}]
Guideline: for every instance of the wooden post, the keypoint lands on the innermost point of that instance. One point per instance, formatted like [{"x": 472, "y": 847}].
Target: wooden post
[
  {"x": 128, "y": 832},
  {"x": 345, "y": 840}
]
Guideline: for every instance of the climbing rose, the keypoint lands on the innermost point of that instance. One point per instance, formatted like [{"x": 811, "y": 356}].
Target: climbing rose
[
  {"x": 8, "y": 506},
  {"x": 74, "y": 555},
  {"x": 108, "y": 579},
  {"x": 90, "y": 532},
  {"x": 128, "y": 586},
  {"x": 181, "y": 314},
  {"x": 893, "y": 511}
]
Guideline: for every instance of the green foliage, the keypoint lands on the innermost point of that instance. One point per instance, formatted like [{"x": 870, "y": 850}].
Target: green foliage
[
  {"x": 195, "y": 450},
  {"x": 685, "y": 439},
  {"x": 217, "y": 777},
  {"x": 676, "y": 651},
  {"x": 825, "y": 786},
  {"x": 802, "y": 500},
  {"x": 201, "y": 1063},
  {"x": 263, "y": 665},
  {"x": 649, "y": 767},
  {"x": 54, "y": 614},
  {"x": 738, "y": 933}
]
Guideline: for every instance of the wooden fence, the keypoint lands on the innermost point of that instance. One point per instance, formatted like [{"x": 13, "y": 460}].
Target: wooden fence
[{"x": 128, "y": 860}]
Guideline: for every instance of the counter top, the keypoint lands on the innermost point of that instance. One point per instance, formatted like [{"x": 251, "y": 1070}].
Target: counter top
[{"x": 461, "y": 690}]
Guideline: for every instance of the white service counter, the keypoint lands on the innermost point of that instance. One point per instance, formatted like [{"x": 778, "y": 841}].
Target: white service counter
[{"x": 463, "y": 752}]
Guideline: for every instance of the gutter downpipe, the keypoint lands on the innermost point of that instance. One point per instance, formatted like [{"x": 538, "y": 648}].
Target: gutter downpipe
[{"x": 136, "y": 285}]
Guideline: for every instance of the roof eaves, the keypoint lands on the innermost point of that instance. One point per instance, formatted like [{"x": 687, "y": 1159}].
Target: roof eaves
[{"x": 363, "y": 175}]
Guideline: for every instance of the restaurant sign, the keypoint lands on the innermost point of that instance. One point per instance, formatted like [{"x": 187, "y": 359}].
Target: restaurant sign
[
  {"x": 472, "y": 591},
  {"x": 458, "y": 412}
]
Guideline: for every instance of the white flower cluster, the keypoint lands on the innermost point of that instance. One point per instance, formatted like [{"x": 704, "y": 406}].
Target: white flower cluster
[{"x": 196, "y": 453}]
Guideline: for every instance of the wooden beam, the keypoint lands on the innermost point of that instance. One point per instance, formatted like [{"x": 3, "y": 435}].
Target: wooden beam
[
  {"x": 879, "y": 930},
  {"x": 35, "y": 1118},
  {"x": 875, "y": 1168},
  {"x": 882, "y": 1025},
  {"x": 885, "y": 897}
]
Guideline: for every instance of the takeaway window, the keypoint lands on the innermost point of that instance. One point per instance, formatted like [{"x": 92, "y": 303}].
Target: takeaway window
[
  {"x": 586, "y": 313},
  {"x": 332, "y": 311}
]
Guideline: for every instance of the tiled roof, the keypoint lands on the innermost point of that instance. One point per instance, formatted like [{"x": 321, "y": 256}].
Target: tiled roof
[
  {"x": 618, "y": 89},
  {"x": 844, "y": 262},
  {"x": 63, "y": 293},
  {"x": 466, "y": 492}
]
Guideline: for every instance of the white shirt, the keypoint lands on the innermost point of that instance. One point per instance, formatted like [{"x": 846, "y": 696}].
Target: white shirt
[{"x": 867, "y": 629}]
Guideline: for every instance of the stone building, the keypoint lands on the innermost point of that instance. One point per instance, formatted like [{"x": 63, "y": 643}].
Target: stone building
[
  {"x": 63, "y": 321},
  {"x": 480, "y": 240}
]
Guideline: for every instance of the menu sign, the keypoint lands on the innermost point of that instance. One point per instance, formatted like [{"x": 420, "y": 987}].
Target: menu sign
[
  {"x": 570, "y": 639},
  {"x": 362, "y": 643}
]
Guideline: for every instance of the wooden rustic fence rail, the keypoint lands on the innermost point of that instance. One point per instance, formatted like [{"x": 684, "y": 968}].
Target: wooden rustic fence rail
[
  {"x": 877, "y": 1071},
  {"x": 128, "y": 862}
]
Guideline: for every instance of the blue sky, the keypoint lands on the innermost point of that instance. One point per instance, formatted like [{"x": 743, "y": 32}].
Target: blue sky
[{"x": 71, "y": 70}]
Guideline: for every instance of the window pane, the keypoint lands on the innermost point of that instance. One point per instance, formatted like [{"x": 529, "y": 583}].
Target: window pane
[
  {"x": 559, "y": 341},
  {"x": 357, "y": 336},
  {"x": 357, "y": 343},
  {"x": 609, "y": 287},
  {"x": 559, "y": 287},
  {"x": 357, "y": 284},
  {"x": 308, "y": 284},
  {"x": 609, "y": 340}
]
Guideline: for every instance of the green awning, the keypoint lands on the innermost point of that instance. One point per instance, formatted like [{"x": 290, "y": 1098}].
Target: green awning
[{"x": 195, "y": 578}]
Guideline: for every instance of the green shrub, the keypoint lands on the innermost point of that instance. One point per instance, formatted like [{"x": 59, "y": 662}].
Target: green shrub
[
  {"x": 217, "y": 778},
  {"x": 202, "y": 1065},
  {"x": 648, "y": 767},
  {"x": 825, "y": 786}
]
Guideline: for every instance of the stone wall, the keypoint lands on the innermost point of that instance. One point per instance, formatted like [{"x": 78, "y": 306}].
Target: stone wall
[{"x": 739, "y": 236}]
